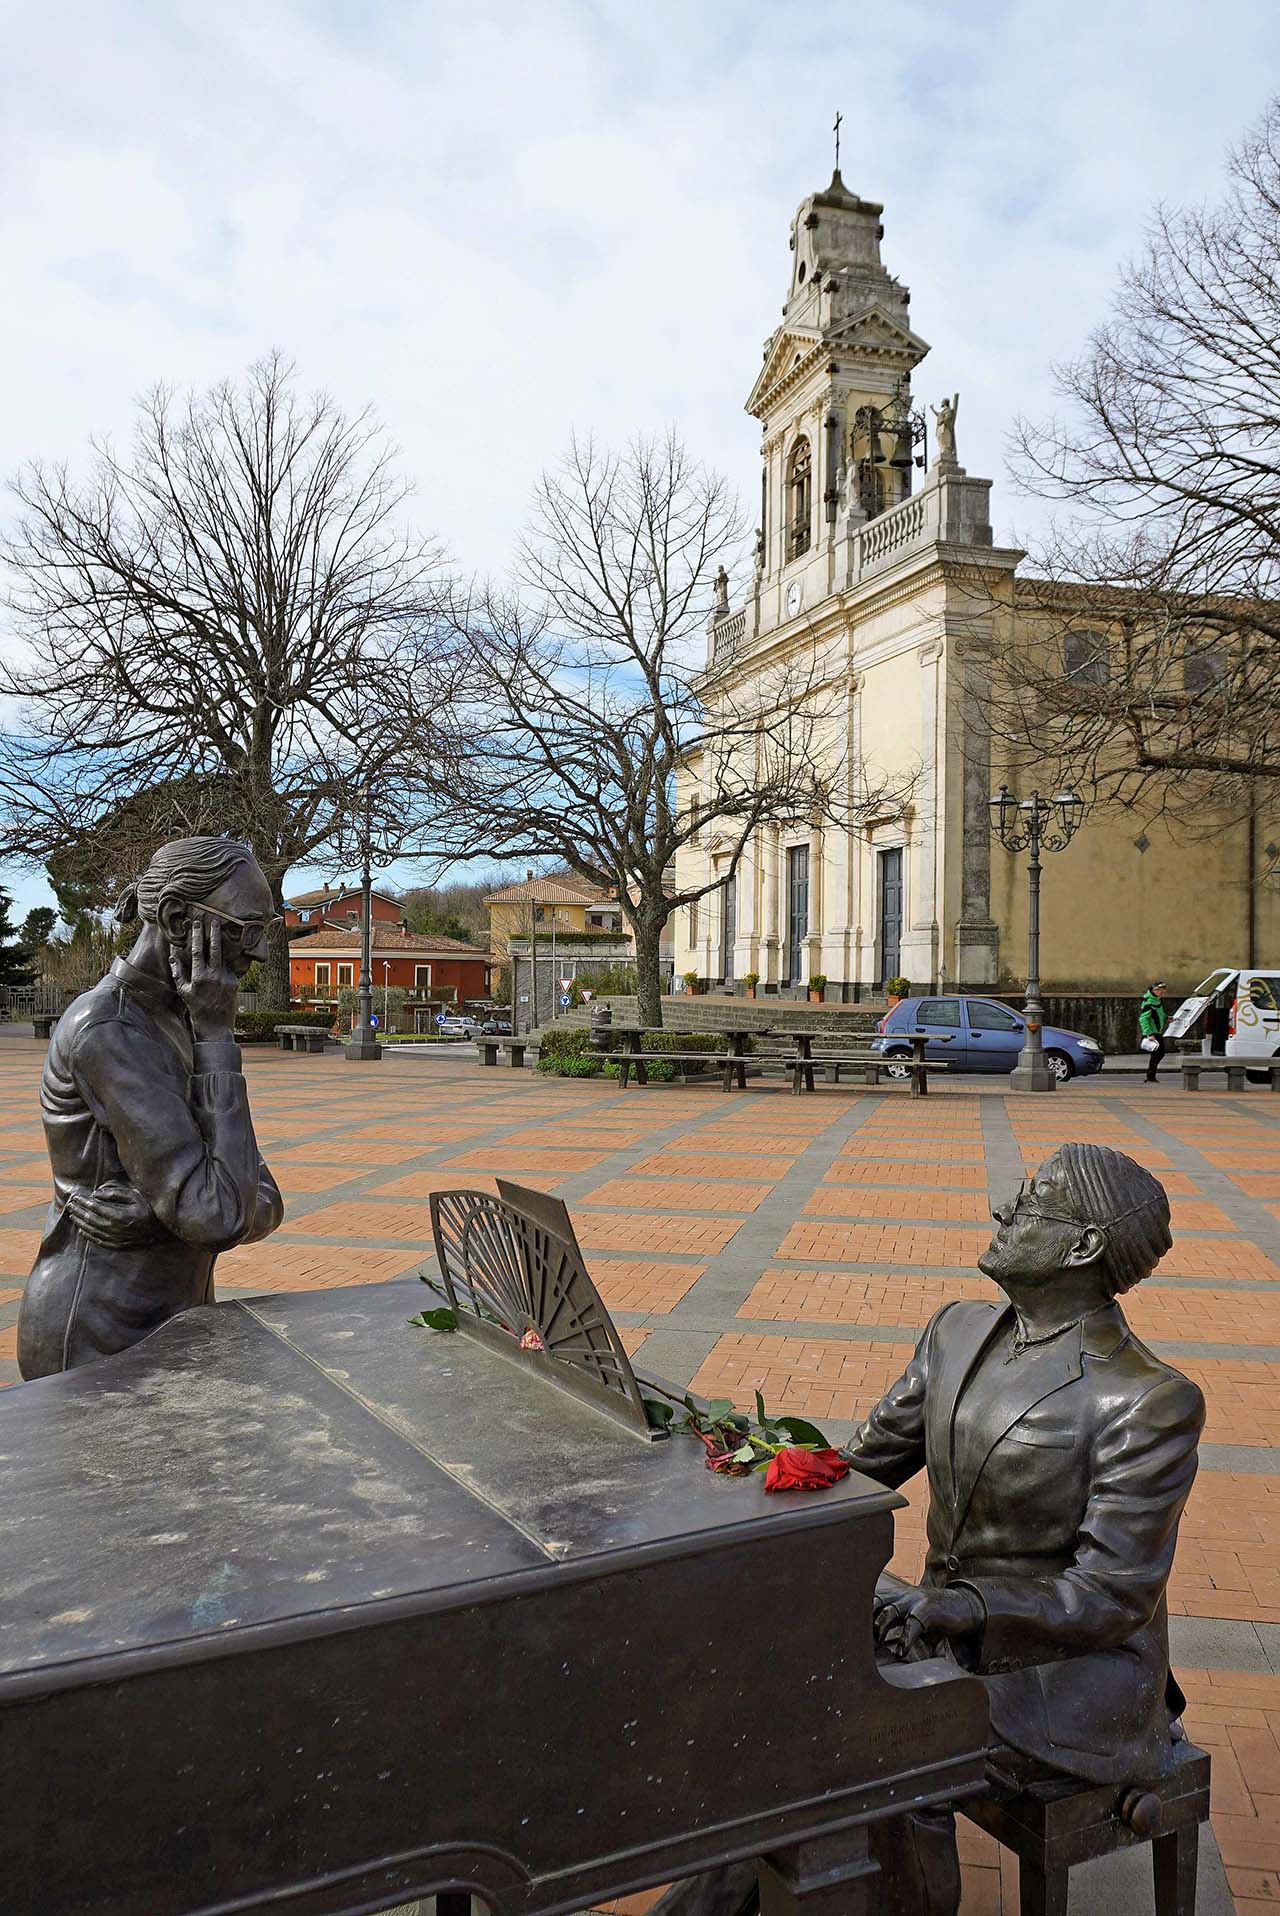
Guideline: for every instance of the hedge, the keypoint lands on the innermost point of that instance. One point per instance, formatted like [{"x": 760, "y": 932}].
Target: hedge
[
  {"x": 569, "y": 1053},
  {"x": 262, "y": 1024}
]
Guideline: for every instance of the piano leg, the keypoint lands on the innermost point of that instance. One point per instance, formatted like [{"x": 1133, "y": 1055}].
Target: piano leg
[{"x": 829, "y": 1876}]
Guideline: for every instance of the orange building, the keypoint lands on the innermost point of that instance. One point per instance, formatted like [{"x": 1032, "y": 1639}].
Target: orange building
[{"x": 436, "y": 972}]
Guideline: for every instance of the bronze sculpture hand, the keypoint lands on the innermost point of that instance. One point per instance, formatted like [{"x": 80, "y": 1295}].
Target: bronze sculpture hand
[
  {"x": 900, "y": 1621},
  {"x": 204, "y": 984},
  {"x": 115, "y": 1215}
]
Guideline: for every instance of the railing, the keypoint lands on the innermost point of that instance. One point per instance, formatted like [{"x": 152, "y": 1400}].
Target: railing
[
  {"x": 899, "y": 527},
  {"x": 729, "y": 635}
]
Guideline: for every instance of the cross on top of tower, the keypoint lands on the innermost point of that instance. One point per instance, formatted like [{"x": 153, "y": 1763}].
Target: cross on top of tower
[{"x": 836, "y": 130}]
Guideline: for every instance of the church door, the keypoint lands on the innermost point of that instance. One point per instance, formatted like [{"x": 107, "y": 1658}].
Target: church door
[
  {"x": 729, "y": 928},
  {"x": 797, "y": 911},
  {"x": 890, "y": 914}
]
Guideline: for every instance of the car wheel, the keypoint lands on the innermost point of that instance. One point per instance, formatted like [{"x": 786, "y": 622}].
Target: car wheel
[
  {"x": 897, "y": 1065},
  {"x": 1060, "y": 1065}
]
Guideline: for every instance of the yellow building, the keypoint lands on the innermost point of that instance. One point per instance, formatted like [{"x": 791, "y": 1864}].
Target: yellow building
[
  {"x": 540, "y": 905},
  {"x": 878, "y": 574}
]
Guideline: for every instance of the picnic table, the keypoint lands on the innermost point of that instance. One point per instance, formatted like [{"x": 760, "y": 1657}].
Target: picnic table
[
  {"x": 803, "y": 1066},
  {"x": 632, "y": 1056}
]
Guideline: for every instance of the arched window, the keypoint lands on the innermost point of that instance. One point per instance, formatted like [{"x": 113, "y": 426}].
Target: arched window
[
  {"x": 799, "y": 499},
  {"x": 1086, "y": 657}
]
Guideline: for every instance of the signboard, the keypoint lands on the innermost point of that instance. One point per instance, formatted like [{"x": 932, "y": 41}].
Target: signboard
[
  {"x": 565, "y": 983},
  {"x": 373, "y": 1019},
  {"x": 587, "y": 996},
  {"x": 439, "y": 1017},
  {"x": 564, "y": 1001}
]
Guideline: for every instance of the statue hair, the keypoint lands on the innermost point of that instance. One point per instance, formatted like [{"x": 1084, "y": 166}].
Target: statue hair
[
  {"x": 1127, "y": 1204},
  {"x": 189, "y": 867}
]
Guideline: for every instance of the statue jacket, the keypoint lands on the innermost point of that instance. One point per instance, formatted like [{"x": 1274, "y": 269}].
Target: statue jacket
[
  {"x": 129, "y": 1094},
  {"x": 1054, "y": 1497}
]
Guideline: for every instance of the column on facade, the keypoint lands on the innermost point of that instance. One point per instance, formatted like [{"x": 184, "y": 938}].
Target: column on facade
[
  {"x": 976, "y": 960},
  {"x": 771, "y": 970},
  {"x": 925, "y": 911}
]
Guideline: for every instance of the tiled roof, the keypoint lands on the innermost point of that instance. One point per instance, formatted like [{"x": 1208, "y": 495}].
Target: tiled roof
[
  {"x": 388, "y": 938},
  {"x": 331, "y": 895},
  {"x": 550, "y": 891}
]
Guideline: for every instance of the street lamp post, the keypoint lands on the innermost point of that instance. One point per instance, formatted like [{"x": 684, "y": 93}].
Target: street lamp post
[
  {"x": 1034, "y": 824},
  {"x": 363, "y": 1043}
]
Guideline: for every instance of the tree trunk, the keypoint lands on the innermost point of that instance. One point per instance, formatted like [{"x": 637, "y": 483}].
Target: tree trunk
[
  {"x": 648, "y": 971},
  {"x": 273, "y": 976}
]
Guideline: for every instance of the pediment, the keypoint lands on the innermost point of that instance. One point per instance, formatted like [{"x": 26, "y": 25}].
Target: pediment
[
  {"x": 876, "y": 331},
  {"x": 780, "y": 362}
]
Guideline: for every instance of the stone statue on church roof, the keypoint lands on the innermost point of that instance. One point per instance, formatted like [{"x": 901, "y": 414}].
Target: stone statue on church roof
[
  {"x": 721, "y": 608},
  {"x": 945, "y": 415}
]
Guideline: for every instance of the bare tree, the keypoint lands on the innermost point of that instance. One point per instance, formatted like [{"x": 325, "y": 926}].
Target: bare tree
[
  {"x": 229, "y": 628},
  {"x": 1145, "y": 658},
  {"x": 591, "y": 676}
]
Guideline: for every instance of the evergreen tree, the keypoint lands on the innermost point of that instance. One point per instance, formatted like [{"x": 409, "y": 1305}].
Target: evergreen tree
[{"x": 14, "y": 969}]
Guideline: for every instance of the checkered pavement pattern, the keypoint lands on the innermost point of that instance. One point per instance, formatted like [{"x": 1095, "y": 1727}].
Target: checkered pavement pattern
[{"x": 797, "y": 1247}]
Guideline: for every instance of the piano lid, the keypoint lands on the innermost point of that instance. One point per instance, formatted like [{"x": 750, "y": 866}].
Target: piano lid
[{"x": 282, "y": 1461}]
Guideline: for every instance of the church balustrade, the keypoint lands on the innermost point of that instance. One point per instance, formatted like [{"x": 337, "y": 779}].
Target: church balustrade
[
  {"x": 900, "y": 526},
  {"x": 729, "y": 635}
]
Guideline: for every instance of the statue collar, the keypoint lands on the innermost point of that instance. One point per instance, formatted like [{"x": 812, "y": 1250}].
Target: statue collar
[
  {"x": 1103, "y": 1331},
  {"x": 142, "y": 984}
]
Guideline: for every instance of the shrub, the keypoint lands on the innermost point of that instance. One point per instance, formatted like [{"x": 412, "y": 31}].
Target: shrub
[
  {"x": 261, "y": 1025},
  {"x": 899, "y": 986},
  {"x": 818, "y": 981},
  {"x": 577, "y": 1068},
  {"x": 659, "y": 1073},
  {"x": 691, "y": 979},
  {"x": 751, "y": 979},
  {"x": 568, "y": 1046}
]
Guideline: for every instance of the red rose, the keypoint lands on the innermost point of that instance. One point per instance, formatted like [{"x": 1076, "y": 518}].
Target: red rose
[{"x": 795, "y": 1469}]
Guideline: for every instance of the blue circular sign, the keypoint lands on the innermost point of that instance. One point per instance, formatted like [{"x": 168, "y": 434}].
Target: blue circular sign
[
  {"x": 373, "y": 1019},
  {"x": 439, "y": 1017},
  {"x": 564, "y": 1001}
]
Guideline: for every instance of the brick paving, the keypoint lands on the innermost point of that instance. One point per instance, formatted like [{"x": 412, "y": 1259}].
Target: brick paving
[{"x": 798, "y": 1246}]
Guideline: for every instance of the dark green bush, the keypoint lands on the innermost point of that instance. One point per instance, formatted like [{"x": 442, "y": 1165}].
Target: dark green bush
[
  {"x": 567, "y": 1046},
  {"x": 261, "y": 1025}
]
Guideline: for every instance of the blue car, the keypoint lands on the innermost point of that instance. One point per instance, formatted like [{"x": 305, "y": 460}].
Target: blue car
[{"x": 979, "y": 1034}]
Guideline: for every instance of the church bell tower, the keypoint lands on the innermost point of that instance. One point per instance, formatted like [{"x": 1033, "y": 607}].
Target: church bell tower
[{"x": 841, "y": 437}]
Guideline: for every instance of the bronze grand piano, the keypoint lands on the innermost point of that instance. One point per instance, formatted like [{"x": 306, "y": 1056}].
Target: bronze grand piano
[{"x": 306, "y": 1612}]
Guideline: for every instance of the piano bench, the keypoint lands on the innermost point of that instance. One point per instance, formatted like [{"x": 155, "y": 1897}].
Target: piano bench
[{"x": 1051, "y": 1826}]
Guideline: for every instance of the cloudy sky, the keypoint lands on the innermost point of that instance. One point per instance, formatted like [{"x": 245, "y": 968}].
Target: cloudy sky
[{"x": 498, "y": 222}]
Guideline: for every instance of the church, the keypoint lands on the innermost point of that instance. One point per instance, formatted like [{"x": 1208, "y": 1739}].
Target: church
[{"x": 877, "y": 570}]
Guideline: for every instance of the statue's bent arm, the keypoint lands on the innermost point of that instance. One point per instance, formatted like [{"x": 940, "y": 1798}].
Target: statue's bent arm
[{"x": 195, "y": 1159}]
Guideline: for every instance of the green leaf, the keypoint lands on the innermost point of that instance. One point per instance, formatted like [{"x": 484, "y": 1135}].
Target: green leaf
[
  {"x": 658, "y": 1413},
  {"x": 442, "y": 1320},
  {"x": 801, "y": 1431},
  {"x": 747, "y": 1455},
  {"x": 760, "y": 1410},
  {"x": 718, "y": 1408}
]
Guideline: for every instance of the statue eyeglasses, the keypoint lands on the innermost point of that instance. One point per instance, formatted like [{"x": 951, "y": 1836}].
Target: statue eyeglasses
[{"x": 250, "y": 929}]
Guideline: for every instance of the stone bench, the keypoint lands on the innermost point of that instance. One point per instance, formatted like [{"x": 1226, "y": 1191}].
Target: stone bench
[
  {"x": 301, "y": 1037},
  {"x": 515, "y": 1049},
  {"x": 1051, "y": 1827},
  {"x": 1235, "y": 1068},
  {"x": 44, "y": 1021}
]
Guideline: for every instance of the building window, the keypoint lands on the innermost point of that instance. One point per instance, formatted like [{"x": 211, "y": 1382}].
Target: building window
[
  {"x": 1204, "y": 667},
  {"x": 422, "y": 977},
  {"x": 322, "y": 977},
  {"x": 1086, "y": 657},
  {"x": 346, "y": 975},
  {"x": 799, "y": 499}
]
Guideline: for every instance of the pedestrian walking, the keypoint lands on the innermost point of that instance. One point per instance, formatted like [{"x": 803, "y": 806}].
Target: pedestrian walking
[{"x": 1152, "y": 1020}]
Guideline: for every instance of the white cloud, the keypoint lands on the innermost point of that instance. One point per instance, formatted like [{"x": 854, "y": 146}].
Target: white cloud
[{"x": 499, "y": 222}]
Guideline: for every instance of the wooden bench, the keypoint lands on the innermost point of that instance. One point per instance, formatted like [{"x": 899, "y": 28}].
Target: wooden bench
[
  {"x": 1235, "y": 1068},
  {"x": 868, "y": 1064},
  {"x": 640, "y": 1060},
  {"x": 1051, "y": 1826},
  {"x": 301, "y": 1037}
]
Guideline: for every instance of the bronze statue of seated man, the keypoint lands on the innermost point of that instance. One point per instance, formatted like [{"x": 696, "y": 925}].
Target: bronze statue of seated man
[{"x": 1060, "y": 1453}]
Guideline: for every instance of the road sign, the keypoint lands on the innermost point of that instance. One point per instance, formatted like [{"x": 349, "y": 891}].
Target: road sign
[
  {"x": 439, "y": 1017},
  {"x": 587, "y": 996},
  {"x": 565, "y": 983},
  {"x": 564, "y": 1001},
  {"x": 373, "y": 1019}
]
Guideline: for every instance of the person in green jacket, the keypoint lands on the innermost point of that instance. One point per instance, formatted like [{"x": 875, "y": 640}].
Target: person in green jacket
[{"x": 1151, "y": 1023}]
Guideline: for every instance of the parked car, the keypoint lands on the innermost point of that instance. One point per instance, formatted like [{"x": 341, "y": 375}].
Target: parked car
[
  {"x": 496, "y": 1028},
  {"x": 457, "y": 1028},
  {"x": 979, "y": 1034}
]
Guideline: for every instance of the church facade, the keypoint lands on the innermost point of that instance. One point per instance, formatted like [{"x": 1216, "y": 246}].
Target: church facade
[{"x": 879, "y": 579}]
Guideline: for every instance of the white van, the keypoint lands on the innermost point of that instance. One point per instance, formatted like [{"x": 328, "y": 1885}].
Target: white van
[{"x": 1241, "y": 1010}]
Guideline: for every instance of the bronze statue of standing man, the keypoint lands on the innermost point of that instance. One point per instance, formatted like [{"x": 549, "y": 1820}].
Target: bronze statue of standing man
[{"x": 155, "y": 1165}]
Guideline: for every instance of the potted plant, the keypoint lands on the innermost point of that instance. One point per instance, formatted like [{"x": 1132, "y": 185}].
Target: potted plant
[
  {"x": 896, "y": 989},
  {"x": 691, "y": 983},
  {"x": 751, "y": 979},
  {"x": 817, "y": 985}
]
